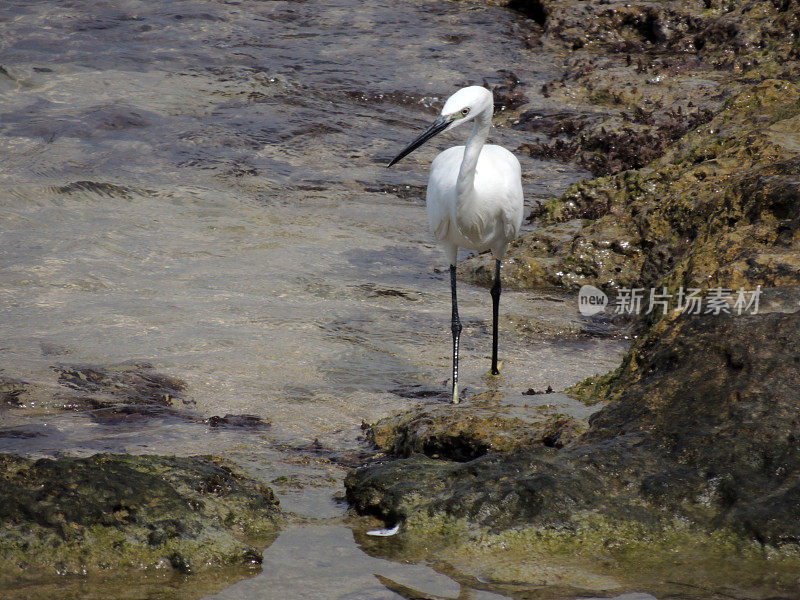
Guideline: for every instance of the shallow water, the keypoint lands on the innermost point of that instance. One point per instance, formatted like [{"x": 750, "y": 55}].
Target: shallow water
[
  {"x": 201, "y": 185},
  {"x": 341, "y": 570}
]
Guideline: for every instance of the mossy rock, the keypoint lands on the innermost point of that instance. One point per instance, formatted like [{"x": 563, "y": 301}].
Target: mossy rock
[
  {"x": 115, "y": 512},
  {"x": 478, "y": 425}
]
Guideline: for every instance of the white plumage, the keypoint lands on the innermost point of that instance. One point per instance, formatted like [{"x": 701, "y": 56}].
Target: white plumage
[
  {"x": 486, "y": 217},
  {"x": 474, "y": 198}
]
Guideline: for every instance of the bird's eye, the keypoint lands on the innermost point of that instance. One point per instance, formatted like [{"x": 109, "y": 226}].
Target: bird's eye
[{"x": 464, "y": 112}]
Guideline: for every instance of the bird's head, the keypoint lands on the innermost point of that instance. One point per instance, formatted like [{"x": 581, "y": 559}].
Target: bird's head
[
  {"x": 466, "y": 104},
  {"x": 463, "y": 106}
]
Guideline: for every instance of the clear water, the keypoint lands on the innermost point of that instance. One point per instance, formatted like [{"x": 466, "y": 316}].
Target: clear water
[{"x": 201, "y": 185}]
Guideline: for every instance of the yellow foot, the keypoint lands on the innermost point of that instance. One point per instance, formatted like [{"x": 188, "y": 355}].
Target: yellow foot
[
  {"x": 455, "y": 394},
  {"x": 491, "y": 375}
]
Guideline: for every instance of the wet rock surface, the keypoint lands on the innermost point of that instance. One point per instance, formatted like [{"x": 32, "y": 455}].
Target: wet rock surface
[
  {"x": 652, "y": 71},
  {"x": 111, "y": 512},
  {"x": 481, "y": 424}
]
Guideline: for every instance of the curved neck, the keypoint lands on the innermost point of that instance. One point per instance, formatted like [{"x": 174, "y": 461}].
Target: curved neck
[{"x": 480, "y": 130}]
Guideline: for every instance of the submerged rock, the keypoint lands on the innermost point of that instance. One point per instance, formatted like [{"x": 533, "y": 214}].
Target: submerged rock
[
  {"x": 243, "y": 421},
  {"x": 127, "y": 387},
  {"x": 116, "y": 512},
  {"x": 128, "y": 393},
  {"x": 127, "y": 383},
  {"x": 11, "y": 389},
  {"x": 480, "y": 425}
]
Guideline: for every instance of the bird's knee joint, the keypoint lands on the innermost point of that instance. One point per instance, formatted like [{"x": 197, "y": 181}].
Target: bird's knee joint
[
  {"x": 455, "y": 326},
  {"x": 495, "y": 290}
]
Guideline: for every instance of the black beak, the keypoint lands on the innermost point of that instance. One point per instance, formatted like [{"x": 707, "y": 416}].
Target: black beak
[{"x": 437, "y": 126}]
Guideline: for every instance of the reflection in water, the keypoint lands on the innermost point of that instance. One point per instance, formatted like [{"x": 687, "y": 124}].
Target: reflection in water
[{"x": 324, "y": 562}]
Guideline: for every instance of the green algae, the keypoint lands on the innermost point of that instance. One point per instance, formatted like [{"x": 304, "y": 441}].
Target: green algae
[
  {"x": 78, "y": 516},
  {"x": 595, "y": 389},
  {"x": 595, "y": 552},
  {"x": 638, "y": 555}
]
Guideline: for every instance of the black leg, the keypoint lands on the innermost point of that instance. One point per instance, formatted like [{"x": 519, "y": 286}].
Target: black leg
[
  {"x": 455, "y": 326},
  {"x": 495, "y": 291}
]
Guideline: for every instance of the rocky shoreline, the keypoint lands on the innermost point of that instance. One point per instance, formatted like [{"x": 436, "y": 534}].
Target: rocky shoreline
[{"x": 693, "y": 454}]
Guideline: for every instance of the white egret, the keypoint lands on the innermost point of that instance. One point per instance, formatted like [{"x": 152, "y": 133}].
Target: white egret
[{"x": 474, "y": 197}]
